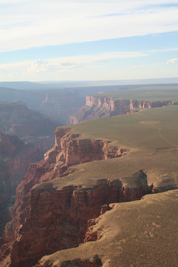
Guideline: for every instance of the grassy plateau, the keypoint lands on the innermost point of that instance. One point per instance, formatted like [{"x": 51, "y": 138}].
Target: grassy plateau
[{"x": 139, "y": 233}]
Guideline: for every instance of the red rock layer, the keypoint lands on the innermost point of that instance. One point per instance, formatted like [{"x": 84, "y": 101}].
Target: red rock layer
[
  {"x": 67, "y": 151},
  {"x": 104, "y": 107},
  {"x": 46, "y": 219},
  {"x": 58, "y": 219}
]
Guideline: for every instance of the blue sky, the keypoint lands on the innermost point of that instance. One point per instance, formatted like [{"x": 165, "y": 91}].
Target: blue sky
[{"x": 69, "y": 40}]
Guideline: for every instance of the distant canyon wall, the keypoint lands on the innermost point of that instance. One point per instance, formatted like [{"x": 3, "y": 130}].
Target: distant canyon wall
[{"x": 104, "y": 107}]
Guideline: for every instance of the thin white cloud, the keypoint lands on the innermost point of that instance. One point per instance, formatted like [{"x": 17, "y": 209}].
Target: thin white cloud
[
  {"x": 26, "y": 24},
  {"x": 164, "y": 50},
  {"x": 38, "y": 66},
  {"x": 27, "y": 70},
  {"x": 172, "y": 61},
  {"x": 63, "y": 63},
  {"x": 137, "y": 66},
  {"x": 158, "y": 64}
]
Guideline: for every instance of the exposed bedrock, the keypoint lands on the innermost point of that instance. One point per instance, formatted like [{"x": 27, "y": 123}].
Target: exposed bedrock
[
  {"x": 59, "y": 218},
  {"x": 103, "y": 107},
  {"x": 94, "y": 262},
  {"x": 48, "y": 217},
  {"x": 68, "y": 150}
]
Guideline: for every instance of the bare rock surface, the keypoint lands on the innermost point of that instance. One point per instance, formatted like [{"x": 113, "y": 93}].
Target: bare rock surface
[
  {"x": 139, "y": 233},
  {"x": 104, "y": 107},
  {"x": 51, "y": 216}
]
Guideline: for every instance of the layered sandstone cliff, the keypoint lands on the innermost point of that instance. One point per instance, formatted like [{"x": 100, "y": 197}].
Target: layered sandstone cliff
[
  {"x": 68, "y": 150},
  {"x": 59, "y": 217},
  {"x": 103, "y": 107},
  {"x": 52, "y": 216}
]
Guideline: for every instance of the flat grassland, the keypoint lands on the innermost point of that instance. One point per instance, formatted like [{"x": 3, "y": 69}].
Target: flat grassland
[
  {"x": 139, "y": 233},
  {"x": 151, "y": 137},
  {"x": 148, "y": 93}
]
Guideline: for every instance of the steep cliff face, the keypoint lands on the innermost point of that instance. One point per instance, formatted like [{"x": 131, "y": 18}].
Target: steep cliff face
[
  {"x": 150, "y": 104},
  {"x": 58, "y": 218},
  {"x": 53, "y": 212},
  {"x": 15, "y": 157},
  {"x": 99, "y": 107},
  {"x": 103, "y": 107},
  {"x": 47, "y": 218},
  {"x": 68, "y": 150}
]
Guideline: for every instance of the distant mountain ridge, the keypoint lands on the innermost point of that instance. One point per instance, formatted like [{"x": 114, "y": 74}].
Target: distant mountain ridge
[
  {"x": 26, "y": 85},
  {"x": 29, "y": 125},
  {"x": 17, "y": 119}
]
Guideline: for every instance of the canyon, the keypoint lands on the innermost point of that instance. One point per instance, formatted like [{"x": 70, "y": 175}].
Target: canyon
[
  {"x": 51, "y": 213},
  {"x": 104, "y": 107},
  {"x": 54, "y": 101},
  {"x": 92, "y": 171},
  {"x": 28, "y": 125}
]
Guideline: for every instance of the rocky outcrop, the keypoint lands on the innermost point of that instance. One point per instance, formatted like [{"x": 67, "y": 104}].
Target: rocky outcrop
[
  {"x": 103, "y": 107},
  {"x": 58, "y": 218},
  {"x": 134, "y": 104},
  {"x": 46, "y": 218},
  {"x": 68, "y": 150},
  {"x": 99, "y": 107},
  {"x": 50, "y": 214},
  {"x": 94, "y": 262}
]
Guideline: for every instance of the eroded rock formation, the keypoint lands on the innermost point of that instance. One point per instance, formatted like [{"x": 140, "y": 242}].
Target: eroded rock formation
[
  {"x": 104, "y": 107},
  {"x": 58, "y": 218},
  {"x": 50, "y": 217},
  {"x": 68, "y": 150},
  {"x": 94, "y": 262}
]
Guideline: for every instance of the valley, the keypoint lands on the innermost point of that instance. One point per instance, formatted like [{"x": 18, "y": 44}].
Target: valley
[{"x": 106, "y": 193}]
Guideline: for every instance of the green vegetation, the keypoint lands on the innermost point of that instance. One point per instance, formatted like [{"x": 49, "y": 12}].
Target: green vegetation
[
  {"x": 152, "y": 93},
  {"x": 139, "y": 130},
  {"x": 139, "y": 233},
  {"x": 150, "y": 135}
]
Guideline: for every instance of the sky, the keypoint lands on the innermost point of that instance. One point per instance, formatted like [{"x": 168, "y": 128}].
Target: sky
[{"x": 88, "y": 40}]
